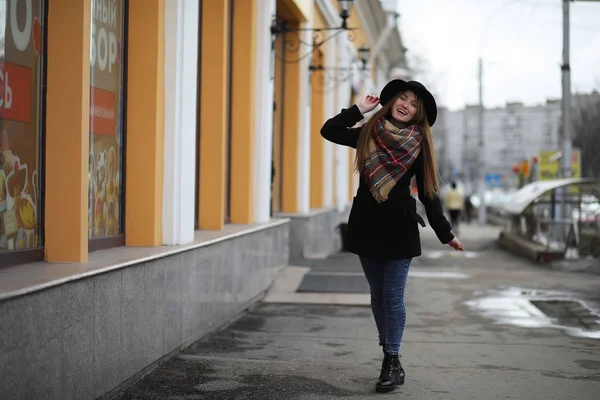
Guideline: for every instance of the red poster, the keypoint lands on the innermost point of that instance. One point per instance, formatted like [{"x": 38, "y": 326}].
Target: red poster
[
  {"x": 103, "y": 112},
  {"x": 15, "y": 92}
]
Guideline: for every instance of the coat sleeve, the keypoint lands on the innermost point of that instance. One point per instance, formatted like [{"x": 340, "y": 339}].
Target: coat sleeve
[
  {"x": 433, "y": 207},
  {"x": 339, "y": 129}
]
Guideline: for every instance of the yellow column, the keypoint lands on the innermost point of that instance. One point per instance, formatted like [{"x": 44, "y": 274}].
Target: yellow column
[
  {"x": 67, "y": 126},
  {"x": 145, "y": 123},
  {"x": 317, "y": 143},
  {"x": 242, "y": 118},
  {"x": 291, "y": 120},
  {"x": 213, "y": 113},
  {"x": 317, "y": 118}
]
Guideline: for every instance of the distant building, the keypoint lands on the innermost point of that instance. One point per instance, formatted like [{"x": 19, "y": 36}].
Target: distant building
[{"x": 511, "y": 134}]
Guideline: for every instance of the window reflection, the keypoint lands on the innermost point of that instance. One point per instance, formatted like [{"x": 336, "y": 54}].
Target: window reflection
[
  {"x": 106, "y": 120},
  {"x": 20, "y": 86}
]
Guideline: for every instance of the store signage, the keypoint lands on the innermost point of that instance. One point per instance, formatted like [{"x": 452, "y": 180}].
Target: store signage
[
  {"x": 21, "y": 35},
  {"x": 103, "y": 119},
  {"x": 15, "y": 92},
  {"x": 104, "y": 43},
  {"x": 16, "y": 75}
]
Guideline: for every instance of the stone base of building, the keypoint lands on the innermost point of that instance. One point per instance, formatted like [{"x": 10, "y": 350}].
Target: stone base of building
[
  {"x": 83, "y": 338},
  {"x": 315, "y": 235}
]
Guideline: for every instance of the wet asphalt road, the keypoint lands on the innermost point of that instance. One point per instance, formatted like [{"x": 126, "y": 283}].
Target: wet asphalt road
[{"x": 451, "y": 350}]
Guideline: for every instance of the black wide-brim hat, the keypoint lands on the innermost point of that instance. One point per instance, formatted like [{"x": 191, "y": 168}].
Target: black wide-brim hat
[{"x": 397, "y": 86}]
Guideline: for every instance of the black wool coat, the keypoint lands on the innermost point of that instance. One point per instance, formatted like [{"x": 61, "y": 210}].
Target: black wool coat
[{"x": 387, "y": 230}]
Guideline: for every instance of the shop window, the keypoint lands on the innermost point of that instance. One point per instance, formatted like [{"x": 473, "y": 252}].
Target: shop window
[
  {"x": 21, "y": 121},
  {"x": 106, "y": 130}
]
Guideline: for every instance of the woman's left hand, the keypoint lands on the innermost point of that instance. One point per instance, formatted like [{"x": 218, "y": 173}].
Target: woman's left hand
[{"x": 456, "y": 244}]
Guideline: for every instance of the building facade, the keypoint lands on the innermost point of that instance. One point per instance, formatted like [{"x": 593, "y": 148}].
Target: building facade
[
  {"x": 511, "y": 134},
  {"x": 161, "y": 161}
]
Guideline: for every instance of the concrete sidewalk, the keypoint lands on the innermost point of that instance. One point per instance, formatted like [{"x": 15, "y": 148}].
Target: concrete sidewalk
[{"x": 472, "y": 332}]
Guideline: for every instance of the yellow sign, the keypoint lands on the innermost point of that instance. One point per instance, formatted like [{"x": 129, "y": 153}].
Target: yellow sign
[{"x": 550, "y": 165}]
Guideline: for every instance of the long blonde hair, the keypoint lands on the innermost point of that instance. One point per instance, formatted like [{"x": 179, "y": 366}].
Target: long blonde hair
[{"x": 430, "y": 172}]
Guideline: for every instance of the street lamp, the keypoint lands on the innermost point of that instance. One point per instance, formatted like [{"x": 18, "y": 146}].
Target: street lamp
[
  {"x": 566, "y": 91},
  {"x": 567, "y": 129},
  {"x": 320, "y": 35},
  {"x": 344, "y": 12}
]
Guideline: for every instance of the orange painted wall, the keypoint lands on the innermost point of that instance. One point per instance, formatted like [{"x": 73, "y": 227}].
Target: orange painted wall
[
  {"x": 242, "y": 121},
  {"x": 360, "y": 38},
  {"x": 213, "y": 113},
  {"x": 67, "y": 126},
  {"x": 291, "y": 120},
  {"x": 300, "y": 9},
  {"x": 145, "y": 123},
  {"x": 287, "y": 114},
  {"x": 317, "y": 118}
]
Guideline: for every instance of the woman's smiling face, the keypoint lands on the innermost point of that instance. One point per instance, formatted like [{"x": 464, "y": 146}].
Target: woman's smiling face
[{"x": 405, "y": 107}]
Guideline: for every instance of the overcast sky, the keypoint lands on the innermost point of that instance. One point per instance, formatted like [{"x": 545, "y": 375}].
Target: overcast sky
[{"x": 520, "y": 42}]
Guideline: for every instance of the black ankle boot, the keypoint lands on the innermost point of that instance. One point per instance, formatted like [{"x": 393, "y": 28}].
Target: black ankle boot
[{"x": 392, "y": 374}]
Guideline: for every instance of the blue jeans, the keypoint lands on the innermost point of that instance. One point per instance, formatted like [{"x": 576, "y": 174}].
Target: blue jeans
[{"x": 387, "y": 280}]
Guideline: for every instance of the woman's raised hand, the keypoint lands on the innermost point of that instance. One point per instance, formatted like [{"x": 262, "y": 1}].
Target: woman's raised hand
[{"x": 368, "y": 103}]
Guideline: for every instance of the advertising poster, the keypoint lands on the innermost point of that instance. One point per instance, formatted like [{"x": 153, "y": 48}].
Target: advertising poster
[
  {"x": 550, "y": 165},
  {"x": 106, "y": 131},
  {"x": 20, "y": 74}
]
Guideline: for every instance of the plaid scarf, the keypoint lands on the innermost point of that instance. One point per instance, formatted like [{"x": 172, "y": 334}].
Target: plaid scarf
[{"x": 392, "y": 151}]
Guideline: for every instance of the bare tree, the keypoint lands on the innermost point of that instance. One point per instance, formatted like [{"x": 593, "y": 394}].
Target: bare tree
[{"x": 586, "y": 132}]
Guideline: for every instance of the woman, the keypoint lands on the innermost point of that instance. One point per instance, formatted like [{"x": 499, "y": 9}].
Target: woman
[{"x": 394, "y": 145}]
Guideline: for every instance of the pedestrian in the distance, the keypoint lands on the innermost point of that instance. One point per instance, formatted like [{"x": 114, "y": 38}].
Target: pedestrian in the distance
[
  {"x": 394, "y": 145},
  {"x": 468, "y": 209},
  {"x": 454, "y": 203}
]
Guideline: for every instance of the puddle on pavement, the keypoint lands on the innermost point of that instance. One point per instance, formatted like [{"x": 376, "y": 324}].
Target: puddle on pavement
[
  {"x": 540, "y": 309},
  {"x": 439, "y": 274}
]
